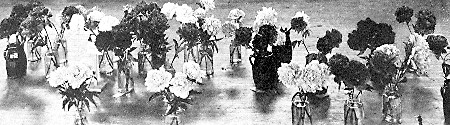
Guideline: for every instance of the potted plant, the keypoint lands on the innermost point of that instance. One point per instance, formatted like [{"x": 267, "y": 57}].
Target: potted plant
[
  {"x": 355, "y": 76},
  {"x": 73, "y": 84},
  {"x": 308, "y": 80},
  {"x": 176, "y": 90}
]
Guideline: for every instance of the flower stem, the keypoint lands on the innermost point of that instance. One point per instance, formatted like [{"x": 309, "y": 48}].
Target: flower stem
[{"x": 407, "y": 24}]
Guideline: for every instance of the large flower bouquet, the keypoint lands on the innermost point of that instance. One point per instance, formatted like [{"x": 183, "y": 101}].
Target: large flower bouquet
[
  {"x": 370, "y": 35},
  {"x": 309, "y": 79},
  {"x": 177, "y": 89},
  {"x": 354, "y": 74},
  {"x": 73, "y": 83}
]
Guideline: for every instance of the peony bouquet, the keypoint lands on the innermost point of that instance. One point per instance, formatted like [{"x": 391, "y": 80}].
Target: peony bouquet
[
  {"x": 267, "y": 16},
  {"x": 176, "y": 89},
  {"x": 211, "y": 26},
  {"x": 331, "y": 40},
  {"x": 309, "y": 79},
  {"x": 73, "y": 83},
  {"x": 169, "y": 9},
  {"x": 370, "y": 35}
]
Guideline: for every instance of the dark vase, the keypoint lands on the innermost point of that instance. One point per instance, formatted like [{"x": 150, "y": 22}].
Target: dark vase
[
  {"x": 264, "y": 68},
  {"x": 283, "y": 52},
  {"x": 16, "y": 61},
  {"x": 445, "y": 93}
]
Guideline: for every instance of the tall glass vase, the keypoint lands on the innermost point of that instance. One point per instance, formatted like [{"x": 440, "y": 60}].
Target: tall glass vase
[
  {"x": 353, "y": 111},
  {"x": 80, "y": 117},
  {"x": 191, "y": 54},
  {"x": 206, "y": 61},
  {"x": 235, "y": 53},
  {"x": 172, "y": 119},
  {"x": 392, "y": 104},
  {"x": 300, "y": 111},
  {"x": 142, "y": 59},
  {"x": 124, "y": 80}
]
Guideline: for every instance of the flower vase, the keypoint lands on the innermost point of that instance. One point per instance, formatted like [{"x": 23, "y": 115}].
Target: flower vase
[
  {"x": 158, "y": 60},
  {"x": 235, "y": 53},
  {"x": 353, "y": 111},
  {"x": 16, "y": 60},
  {"x": 50, "y": 62},
  {"x": 80, "y": 117},
  {"x": 264, "y": 69},
  {"x": 206, "y": 61},
  {"x": 445, "y": 93},
  {"x": 124, "y": 81},
  {"x": 191, "y": 54},
  {"x": 283, "y": 52},
  {"x": 300, "y": 109},
  {"x": 172, "y": 119},
  {"x": 105, "y": 63},
  {"x": 392, "y": 106},
  {"x": 142, "y": 58}
]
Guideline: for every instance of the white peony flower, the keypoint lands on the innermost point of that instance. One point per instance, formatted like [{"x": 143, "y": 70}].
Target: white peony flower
[
  {"x": 193, "y": 71},
  {"x": 82, "y": 9},
  {"x": 212, "y": 25},
  {"x": 79, "y": 73},
  {"x": 169, "y": 9},
  {"x": 267, "y": 16},
  {"x": 180, "y": 85},
  {"x": 107, "y": 22},
  {"x": 184, "y": 14},
  {"x": 95, "y": 15},
  {"x": 200, "y": 13},
  {"x": 235, "y": 14},
  {"x": 302, "y": 14},
  {"x": 420, "y": 58},
  {"x": 58, "y": 77},
  {"x": 287, "y": 73},
  {"x": 77, "y": 22},
  {"x": 313, "y": 77},
  {"x": 281, "y": 38},
  {"x": 157, "y": 80},
  {"x": 388, "y": 49},
  {"x": 207, "y": 4}
]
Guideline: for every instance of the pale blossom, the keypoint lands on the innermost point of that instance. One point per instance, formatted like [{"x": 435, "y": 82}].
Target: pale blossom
[
  {"x": 200, "y": 13},
  {"x": 208, "y": 4},
  {"x": 180, "y": 85},
  {"x": 169, "y": 9},
  {"x": 314, "y": 76},
  {"x": 267, "y": 16},
  {"x": 95, "y": 15},
  {"x": 389, "y": 49},
  {"x": 74, "y": 76},
  {"x": 77, "y": 22},
  {"x": 157, "y": 80},
  {"x": 193, "y": 71},
  {"x": 212, "y": 25},
  {"x": 281, "y": 38},
  {"x": 302, "y": 14},
  {"x": 183, "y": 13},
  {"x": 236, "y": 14},
  {"x": 420, "y": 58},
  {"x": 107, "y": 22},
  {"x": 229, "y": 28}
]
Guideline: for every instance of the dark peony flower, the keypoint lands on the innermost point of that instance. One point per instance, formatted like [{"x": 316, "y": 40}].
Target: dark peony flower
[
  {"x": 316, "y": 56},
  {"x": 19, "y": 11},
  {"x": 338, "y": 63},
  {"x": 243, "y": 36},
  {"x": 69, "y": 11},
  {"x": 404, "y": 14},
  {"x": 9, "y": 26},
  {"x": 190, "y": 33},
  {"x": 298, "y": 24},
  {"x": 329, "y": 41},
  {"x": 267, "y": 35},
  {"x": 425, "y": 23},
  {"x": 370, "y": 34},
  {"x": 437, "y": 44},
  {"x": 104, "y": 41},
  {"x": 356, "y": 74},
  {"x": 122, "y": 41}
]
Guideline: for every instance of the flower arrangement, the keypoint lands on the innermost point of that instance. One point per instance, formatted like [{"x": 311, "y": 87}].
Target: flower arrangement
[
  {"x": 437, "y": 44},
  {"x": 37, "y": 20},
  {"x": 308, "y": 79},
  {"x": 211, "y": 26},
  {"x": 404, "y": 14},
  {"x": 266, "y": 16},
  {"x": 176, "y": 90},
  {"x": 185, "y": 14},
  {"x": 300, "y": 21},
  {"x": 228, "y": 29},
  {"x": 370, "y": 35},
  {"x": 352, "y": 73},
  {"x": 331, "y": 40},
  {"x": 73, "y": 83}
]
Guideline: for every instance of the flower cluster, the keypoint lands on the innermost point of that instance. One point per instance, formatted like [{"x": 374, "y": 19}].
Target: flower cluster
[
  {"x": 338, "y": 64},
  {"x": 426, "y": 22},
  {"x": 37, "y": 20},
  {"x": 329, "y": 41},
  {"x": 384, "y": 63},
  {"x": 404, "y": 14},
  {"x": 169, "y": 9},
  {"x": 207, "y": 4},
  {"x": 73, "y": 76},
  {"x": 189, "y": 32},
  {"x": 211, "y": 26},
  {"x": 388, "y": 50},
  {"x": 107, "y": 22},
  {"x": 420, "y": 58},
  {"x": 243, "y": 36},
  {"x": 229, "y": 28},
  {"x": 267, "y": 16},
  {"x": 370, "y": 34},
  {"x": 236, "y": 14},
  {"x": 437, "y": 44},
  {"x": 300, "y": 21},
  {"x": 309, "y": 79},
  {"x": 185, "y": 14},
  {"x": 157, "y": 80},
  {"x": 193, "y": 71}
]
